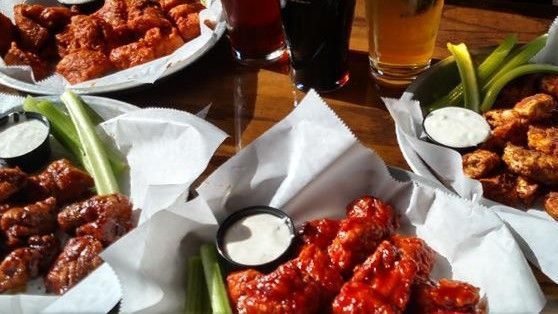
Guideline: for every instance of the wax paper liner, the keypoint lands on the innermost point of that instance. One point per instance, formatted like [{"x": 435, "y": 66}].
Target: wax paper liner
[
  {"x": 310, "y": 165},
  {"x": 166, "y": 151},
  {"x": 534, "y": 229},
  {"x": 145, "y": 73}
]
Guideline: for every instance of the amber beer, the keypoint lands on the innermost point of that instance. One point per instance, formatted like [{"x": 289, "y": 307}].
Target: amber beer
[{"x": 402, "y": 36}]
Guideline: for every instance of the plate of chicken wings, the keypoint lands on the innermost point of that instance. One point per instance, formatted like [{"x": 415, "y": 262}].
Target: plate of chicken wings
[{"x": 119, "y": 44}]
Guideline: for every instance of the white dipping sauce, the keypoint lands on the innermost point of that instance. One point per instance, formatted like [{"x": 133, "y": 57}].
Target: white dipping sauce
[
  {"x": 22, "y": 137},
  {"x": 257, "y": 239},
  {"x": 456, "y": 127}
]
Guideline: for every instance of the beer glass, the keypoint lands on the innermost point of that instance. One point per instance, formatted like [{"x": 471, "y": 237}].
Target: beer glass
[{"x": 401, "y": 36}]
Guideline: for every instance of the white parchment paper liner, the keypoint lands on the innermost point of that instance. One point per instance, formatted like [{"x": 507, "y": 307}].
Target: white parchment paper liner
[
  {"x": 311, "y": 166},
  {"x": 144, "y": 73},
  {"x": 166, "y": 150},
  {"x": 534, "y": 229}
]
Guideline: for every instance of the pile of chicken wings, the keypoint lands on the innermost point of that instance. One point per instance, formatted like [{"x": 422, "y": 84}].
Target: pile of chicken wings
[
  {"x": 38, "y": 213},
  {"x": 81, "y": 46},
  {"x": 354, "y": 265},
  {"x": 519, "y": 162}
]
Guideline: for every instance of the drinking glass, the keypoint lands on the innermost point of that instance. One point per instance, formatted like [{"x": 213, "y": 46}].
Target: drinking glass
[
  {"x": 254, "y": 30},
  {"x": 401, "y": 36},
  {"x": 317, "y": 34}
]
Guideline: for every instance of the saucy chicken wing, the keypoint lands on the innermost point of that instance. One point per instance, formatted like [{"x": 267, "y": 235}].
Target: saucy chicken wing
[
  {"x": 446, "y": 296},
  {"x": 17, "y": 56},
  {"x": 417, "y": 250},
  {"x": 319, "y": 232},
  {"x": 84, "y": 65},
  {"x": 532, "y": 164},
  {"x": 114, "y": 13},
  {"x": 84, "y": 32},
  {"x": 368, "y": 222},
  {"x": 18, "y": 268},
  {"x": 12, "y": 180},
  {"x": 79, "y": 257},
  {"x": 7, "y": 35},
  {"x": 480, "y": 163},
  {"x": 31, "y": 34},
  {"x": 144, "y": 15},
  {"x": 104, "y": 217},
  {"x": 382, "y": 284},
  {"x": 186, "y": 18},
  {"x": 48, "y": 246},
  {"x": 19, "y": 223}
]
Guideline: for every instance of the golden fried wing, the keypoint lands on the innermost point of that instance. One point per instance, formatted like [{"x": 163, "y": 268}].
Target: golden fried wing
[
  {"x": 549, "y": 85},
  {"x": 532, "y": 164},
  {"x": 480, "y": 163},
  {"x": 551, "y": 204},
  {"x": 543, "y": 139},
  {"x": 536, "y": 107}
]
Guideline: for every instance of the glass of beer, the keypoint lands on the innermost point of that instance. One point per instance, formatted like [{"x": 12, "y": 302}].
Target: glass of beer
[
  {"x": 401, "y": 36},
  {"x": 317, "y": 34},
  {"x": 254, "y": 30}
]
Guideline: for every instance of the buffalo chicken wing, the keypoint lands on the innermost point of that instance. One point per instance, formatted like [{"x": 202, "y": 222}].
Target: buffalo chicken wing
[
  {"x": 446, "y": 296},
  {"x": 7, "y": 35}
]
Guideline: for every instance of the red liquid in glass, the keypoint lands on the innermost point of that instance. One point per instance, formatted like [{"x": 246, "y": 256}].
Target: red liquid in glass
[{"x": 254, "y": 26}]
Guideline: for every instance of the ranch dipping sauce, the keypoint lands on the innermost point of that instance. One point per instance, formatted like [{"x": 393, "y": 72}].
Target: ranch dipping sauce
[
  {"x": 21, "y": 137},
  {"x": 456, "y": 127},
  {"x": 257, "y": 239}
]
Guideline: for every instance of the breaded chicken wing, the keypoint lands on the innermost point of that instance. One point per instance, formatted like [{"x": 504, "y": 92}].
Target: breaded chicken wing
[
  {"x": 536, "y": 107},
  {"x": 551, "y": 204},
  {"x": 12, "y": 180},
  {"x": 368, "y": 222},
  {"x": 480, "y": 163},
  {"x": 186, "y": 18},
  {"x": 500, "y": 188},
  {"x": 532, "y": 164},
  {"x": 382, "y": 284},
  {"x": 20, "y": 223},
  {"x": 527, "y": 190},
  {"x": 84, "y": 65},
  {"x": 446, "y": 296},
  {"x": 7, "y": 35},
  {"x": 17, "y": 56},
  {"x": 18, "y": 268},
  {"x": 105, "y": 217},
  {"x": 543, "y": 139},
  {"x": 79, "y": 257},
  {"x": 549, "y": 85}
]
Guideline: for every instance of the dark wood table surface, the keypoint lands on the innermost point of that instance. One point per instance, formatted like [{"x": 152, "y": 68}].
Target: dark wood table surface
[{"x": 245, "y": 102}]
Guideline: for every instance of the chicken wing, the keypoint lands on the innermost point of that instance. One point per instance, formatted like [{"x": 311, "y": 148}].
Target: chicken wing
[
  {"x": 551, "y": 204},
  {"x": 84, "y": 32},
  {"x": 48, "y": 247},
  {"x": 368, "y": 222},
  {"x": 84, "y": 65},
  {"x": 534, "y": 165},
  {"x": 446, "y": 296},
  {"x": 60, "y": 179},
  {"x": 527, "y": 190},
  {"x": 32, "y": 35},
  {"x": 19, "y": 223},
  {"x": 389, "y": 275},
  {"x": 114, "y": 13},
  {"x": 535, "y": 108},
  {"x": 549, "y": 85},
  {"x": 480, "y": 163},
  {"x": 16, "y": 56},
  {"x": 500, "y": 117},
  {"x": 7, "y": 35},
  {"x": 105, "y": 217},
  {"x": 543, "y": 139},
  {"x": 79, "y": 257},
  {"x": 18, "y": 268},
  {"x": 510, "y": 189},
  {"x": 319, "y": 232},
  {"x": 12, "y": 180},
  {"x": 144, "y": 15},
  {"x": 186, "y": 18},
  {"x": 417, "y": 250},
  {"x": 238, "y": 283}
]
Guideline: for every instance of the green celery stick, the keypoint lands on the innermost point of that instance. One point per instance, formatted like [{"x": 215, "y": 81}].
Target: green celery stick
[
  {"x": 214, "y": 279},
  {"x": 468, "y": 75},
  {"x": 197, "y": 297}
]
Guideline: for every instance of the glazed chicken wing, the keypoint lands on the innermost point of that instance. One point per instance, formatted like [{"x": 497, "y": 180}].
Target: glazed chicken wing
[
  {"x": 18, "y": 268},
  {"x": 480, "y": 163},
  {"x": 18, "y": 56},
  {"x": 79, "y": 257},
  {"x": 62, "y": 180},
  {"x": 7, "y": 34},
  {"x": 105, "y": 217},
  {"x": 368, "y": 222},
  {"x": 19, "y": 223},
  {"x": 48, "y": 246},
  {"x": 12, "y": 180},
  {"x": 446, "y": 296},
  {"x": 388, "y": 274},
  {"x": 532, "y": 164},
  {"x": 543, "y": 139},
  {"x": 417, "y": 250},
  {"x": 84, "y": 65},
  {"x": 114, "y": 13},
  {"x": 238, "y": 283},
  {"x": 319, "y": 232}
]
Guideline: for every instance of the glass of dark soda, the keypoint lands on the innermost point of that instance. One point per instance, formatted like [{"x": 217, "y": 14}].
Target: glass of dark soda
[
  {"x": 254, "y": 30},
  {"x": 317, "y": 34}
]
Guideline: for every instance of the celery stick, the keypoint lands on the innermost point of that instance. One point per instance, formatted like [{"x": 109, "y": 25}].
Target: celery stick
[
  {"x": 197, "y": 299},
  {"x": 64, "y": 131},
  {"x": 523, "y": 56},
  {"x": 215, "y": 285},
  {"x": 497, "y": 85},
  {"x": 95, "y": 152},
  {"x": 467, "y": 74},
  {"x": 484, "y": 71}
]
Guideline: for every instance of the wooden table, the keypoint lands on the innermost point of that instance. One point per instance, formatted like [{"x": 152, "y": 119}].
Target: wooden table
[{"x": 245, "y": 102}]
